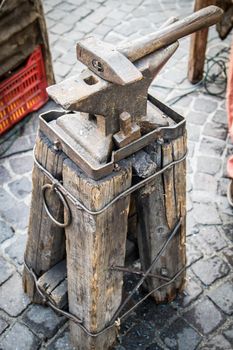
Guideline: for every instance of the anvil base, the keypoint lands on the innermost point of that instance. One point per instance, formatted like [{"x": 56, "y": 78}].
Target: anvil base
[{"x": 83, "y": 143}]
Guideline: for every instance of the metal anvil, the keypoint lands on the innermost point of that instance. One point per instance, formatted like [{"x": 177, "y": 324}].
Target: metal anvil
[{"x": 111, "y": 115}]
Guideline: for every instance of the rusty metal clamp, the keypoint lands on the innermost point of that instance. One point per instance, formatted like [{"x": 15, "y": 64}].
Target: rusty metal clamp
[{"x": 53, "y": 187}]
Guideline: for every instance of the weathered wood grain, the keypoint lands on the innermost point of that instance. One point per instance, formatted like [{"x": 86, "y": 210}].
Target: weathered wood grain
[
  {"x": 94, "y": 243},
  {"x": 198, "y": 47},
  {"x": 22, "y": 28},
  {"x": 46, "y": 241},
  {"x": 159, "y": 205},
  {"x": 54, "y": 284}
]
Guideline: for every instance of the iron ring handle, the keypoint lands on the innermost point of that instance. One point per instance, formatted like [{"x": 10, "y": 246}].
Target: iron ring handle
[{"x": 62, "y": 199}]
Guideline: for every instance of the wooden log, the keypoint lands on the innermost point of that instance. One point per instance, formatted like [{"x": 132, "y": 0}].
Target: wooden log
[
  {"x": 161, "y": 203},
  {"x": 46, "y": 241},
  {"x": 94, "y": 243},
  {"x": 198, "y": 47}
]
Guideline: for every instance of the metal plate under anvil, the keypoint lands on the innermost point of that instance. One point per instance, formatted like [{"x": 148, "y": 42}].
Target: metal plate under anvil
[{"x": 92, "y": 166}]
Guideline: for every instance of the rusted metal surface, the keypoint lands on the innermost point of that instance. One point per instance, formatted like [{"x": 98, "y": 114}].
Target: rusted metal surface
[
  {"x": 116, "y": 85},
  {"x": 47, "y": 125},
  {"x": 134, "y": 50}
]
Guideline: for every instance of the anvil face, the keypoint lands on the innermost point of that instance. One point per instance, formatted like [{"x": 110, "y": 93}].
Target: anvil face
[{"x": 91, "y": 94}]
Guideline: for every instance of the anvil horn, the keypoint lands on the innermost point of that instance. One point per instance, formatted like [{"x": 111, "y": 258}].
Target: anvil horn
[{"x": 109, "y": 64}]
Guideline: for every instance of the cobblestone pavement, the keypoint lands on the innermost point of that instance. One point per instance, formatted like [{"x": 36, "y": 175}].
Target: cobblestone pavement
[{"x": 201, "y": 318}]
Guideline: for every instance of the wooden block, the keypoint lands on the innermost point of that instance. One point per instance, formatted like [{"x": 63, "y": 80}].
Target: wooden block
[
  {"x": 46, "y": 241},
  {"x": 54, "y": 284},
  {"x": 160, "y": 203},
  {"x": 94, "y": 243}
]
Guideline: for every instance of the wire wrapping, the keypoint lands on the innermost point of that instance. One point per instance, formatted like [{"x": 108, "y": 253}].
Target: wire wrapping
[
  {"x": 116, "y": 319},
  {"x": 79, "y": 205}
]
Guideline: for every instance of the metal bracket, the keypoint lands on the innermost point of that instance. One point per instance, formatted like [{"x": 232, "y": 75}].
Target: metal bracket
[{"x": 96, "y": 171}]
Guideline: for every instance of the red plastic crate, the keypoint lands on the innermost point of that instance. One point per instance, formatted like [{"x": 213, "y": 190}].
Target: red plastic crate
[{"x": 23, "y": 92}]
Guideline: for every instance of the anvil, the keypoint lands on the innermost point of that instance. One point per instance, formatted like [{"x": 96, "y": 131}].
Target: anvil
[{"x": 108, "y": 101}]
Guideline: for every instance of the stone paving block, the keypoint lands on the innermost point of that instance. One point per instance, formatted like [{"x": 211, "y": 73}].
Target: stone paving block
[
  {"x": 61, "y": 68},
  {"x": 194, "y": 132},
  {"x": 21, "y": 187},
  {"x": 180, "y": 335},
  {"x": 19, "y": 337},
  {"x": 191, "y": 292},
  {"x": 190, "y": 223},
  {"x": 12, "y": 298},
  {"x": 102, "y": 29},
  {"x": 6, "y": 231},
  {"x": 16, "y": 249},
  {"x": 63, "y": 45},
  {"x": 204, "y": 316},
  {"x": 61, "y": 342},
  {"x": 204, "y": 181},
  {"x": 206, "y": 105},
  {"x": 21, "y": 144},
  {"x": 192, "y": 252},
  {"x": 208, "y": 165},
  {"x": 222, "y": 296},
  {"x": 17, "y": 214},
  {"x": 98, "y": 15},
  {"x": 61, "y": 28},
  {"x": 210, "y": 270},
  {"x": 206, "y": 214},
  {"x": 113, "y": 38},
  {"x": 43, "y": 321},
  {"x": 6, "y": 270},
  {"x": 56, "y": 14},
  {"x": 229, "y": 255},
  {"x": 21, "y": 165},
  {"x": 217, "y": 343},
  {"x": 228, "y": 230},
  {"x": 213, "y": 130},
  {"x": 153, "y": 346},
  {"x": 157, "y": 315},
  {"x": 4, "y": 175},
  {"x": 3, "y": 325},
  {"x": 222, "y": 186},
  {"x": 228, "y": 333},
  {"x": 220, "y": 117},
  {"x": 139, "y": 336},
  {"x": 204, "y": 197},
  {"x": 212, "y": 147},
  {"x": 85, "y": 26},
  {"x": 196, "y": 118},
  {"x": 210, "y": 239}
]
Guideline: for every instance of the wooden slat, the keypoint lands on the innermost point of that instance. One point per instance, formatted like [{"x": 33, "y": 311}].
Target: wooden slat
[
  {"x": 198, "y": 47},
  {"x": 159, "y": 205},
  {"x": 46, "y": 241},
  {"x": 93, "y": 245}
]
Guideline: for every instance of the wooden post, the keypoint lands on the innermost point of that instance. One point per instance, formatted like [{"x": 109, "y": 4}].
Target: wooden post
[
  {"x": 94, "y": 243},
  {"x": 160, "y": 204},
  {"x": 198, "y": 47},
  {"x": 46, "y": 241}
]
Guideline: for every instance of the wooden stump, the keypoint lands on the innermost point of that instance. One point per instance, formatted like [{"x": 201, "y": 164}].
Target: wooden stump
[
  {"x": 160, "y": 204},
  {"x": 94, "y": 243},
  {"x": 46, "y": 241}
]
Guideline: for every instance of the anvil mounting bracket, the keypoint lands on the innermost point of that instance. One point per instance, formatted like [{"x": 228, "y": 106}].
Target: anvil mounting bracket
[{"x": 48, "y": 126}]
